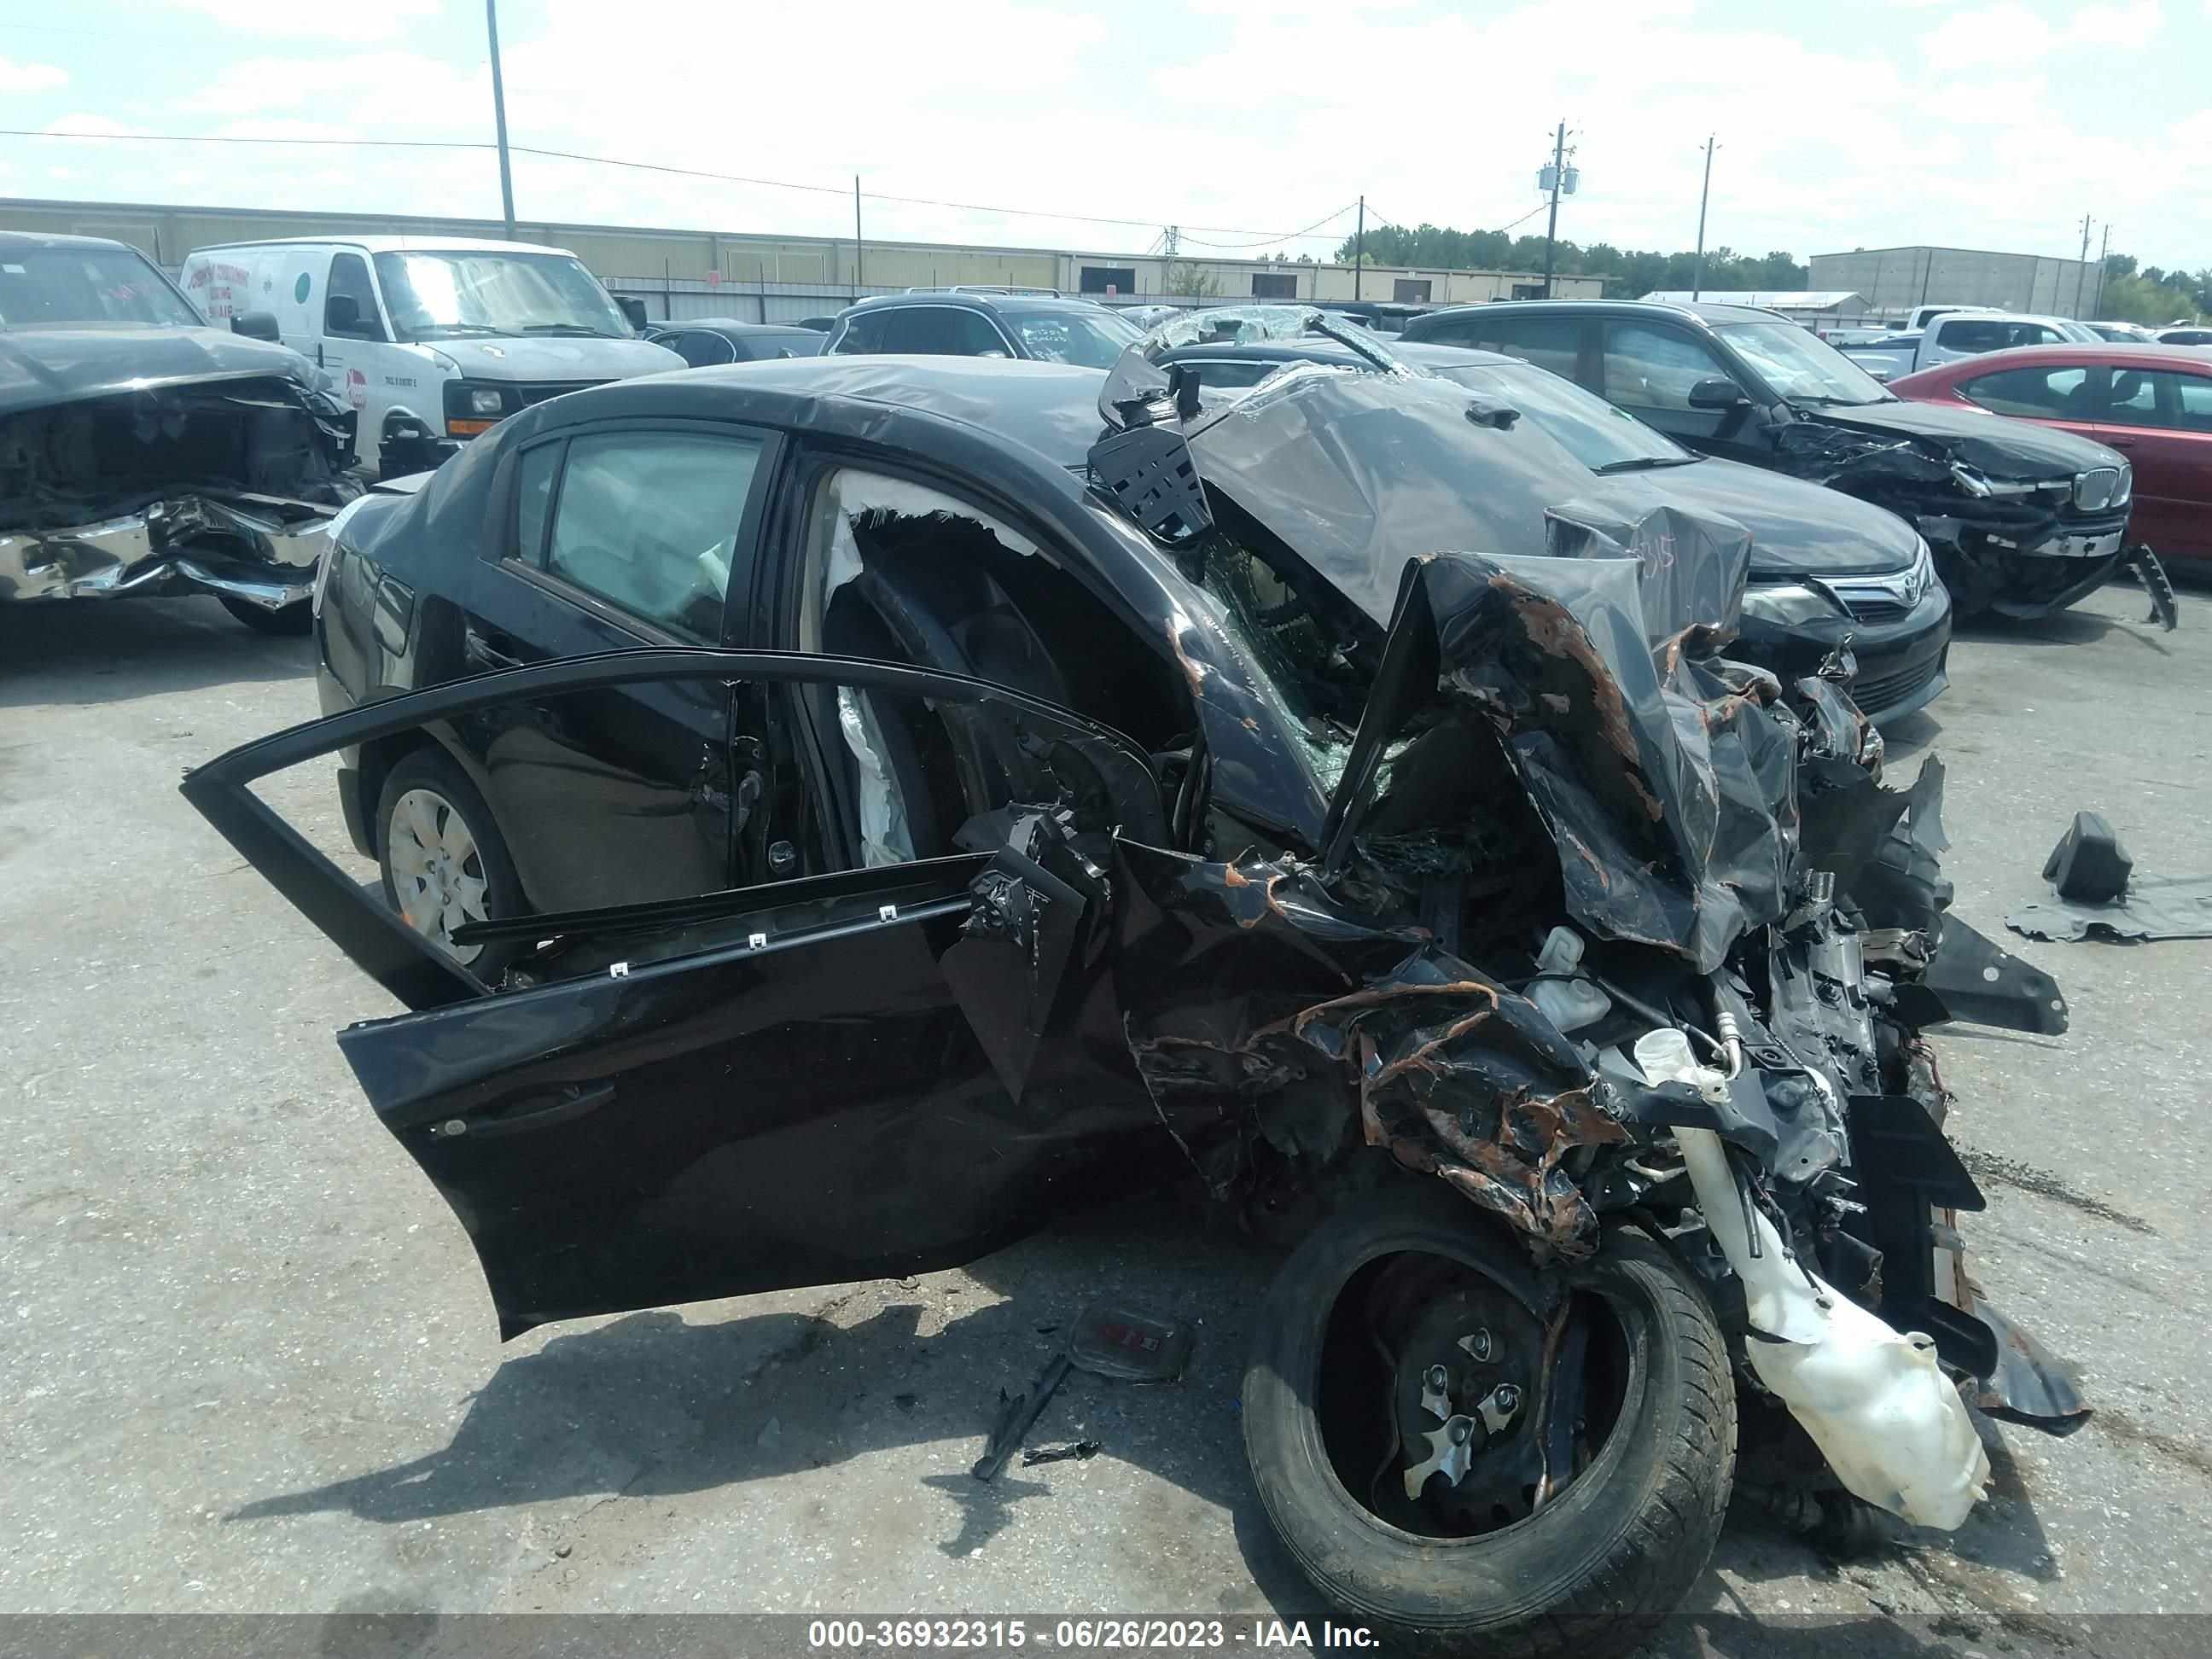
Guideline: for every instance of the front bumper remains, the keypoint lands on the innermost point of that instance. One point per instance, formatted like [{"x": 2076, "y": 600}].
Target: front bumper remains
[{"x": 260, "y": 550}]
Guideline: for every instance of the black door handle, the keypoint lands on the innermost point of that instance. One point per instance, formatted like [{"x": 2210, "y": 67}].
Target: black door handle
[
  {"x": 481, "y": 649},
  {"x": 570, "y": 1103},
  {"x": 2118, "y": 443}
]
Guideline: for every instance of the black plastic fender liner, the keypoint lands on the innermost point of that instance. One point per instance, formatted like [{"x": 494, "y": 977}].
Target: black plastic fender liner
[{"x": 1977, "y": 979}]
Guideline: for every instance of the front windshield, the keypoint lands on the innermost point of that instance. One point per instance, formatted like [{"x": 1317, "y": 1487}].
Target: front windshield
[
  {"x": 1601, "y": 437},
  {"x": 1801, "y": 365},
  {"x": 1088, "y": 340},
  {"x": 438, "y": 295},
  {"x": 57, "y": 286}
]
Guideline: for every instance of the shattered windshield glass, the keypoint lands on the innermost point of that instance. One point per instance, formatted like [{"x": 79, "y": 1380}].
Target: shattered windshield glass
[{"x": 1801, "y": 365}]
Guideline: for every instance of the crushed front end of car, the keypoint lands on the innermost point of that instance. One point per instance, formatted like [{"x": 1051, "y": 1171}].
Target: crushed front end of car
[
  {"x": 2012, "y": 531},
  {"x": 152, "y": 466},
  {"x": 1625, "y": 942}
]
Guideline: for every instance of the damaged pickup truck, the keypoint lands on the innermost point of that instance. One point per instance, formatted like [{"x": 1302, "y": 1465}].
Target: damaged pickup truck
[
  {"x": 1207, "y": 813},
  {"x": 143, "y": 452},
  {"x": 2023, "y": 521}
]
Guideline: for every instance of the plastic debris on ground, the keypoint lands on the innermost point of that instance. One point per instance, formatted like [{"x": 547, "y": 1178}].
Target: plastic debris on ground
[
  {"x": 1117, "y": 1341},
  {"x": 2095, "y": 893}
]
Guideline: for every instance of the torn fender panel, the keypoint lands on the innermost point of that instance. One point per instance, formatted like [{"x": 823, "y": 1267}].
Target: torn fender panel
[{"x": 1259, "y": 1007}]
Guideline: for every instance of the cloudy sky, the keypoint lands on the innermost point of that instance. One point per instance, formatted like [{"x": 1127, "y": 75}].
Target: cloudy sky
[{"x": 1865, "y": 124}]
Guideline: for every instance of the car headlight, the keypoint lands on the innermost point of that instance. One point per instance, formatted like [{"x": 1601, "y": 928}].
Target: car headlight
[
  {"x": 1787, "y": 605},
  {"x": 485, "y": 400}
]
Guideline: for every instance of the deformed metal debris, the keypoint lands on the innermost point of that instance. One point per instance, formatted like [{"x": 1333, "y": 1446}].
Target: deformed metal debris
[
  {"x": 1018, "y": 1415},
  {"x": 1078, "y": 1450}
]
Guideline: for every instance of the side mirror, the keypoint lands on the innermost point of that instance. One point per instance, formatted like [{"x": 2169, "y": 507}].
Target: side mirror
[
  {"x": 1717, "y": 392},
  {"x": 255, "y": 324},
  {"x": 633, "y": 308},
  {"x": 341, "y": 315}
]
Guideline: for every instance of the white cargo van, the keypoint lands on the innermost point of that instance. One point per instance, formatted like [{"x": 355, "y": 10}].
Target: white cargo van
[{"x": 432, "y": 338}]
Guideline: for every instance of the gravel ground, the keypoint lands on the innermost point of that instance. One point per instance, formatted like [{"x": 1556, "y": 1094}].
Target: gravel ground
[{"x": 254, "y": 1371}]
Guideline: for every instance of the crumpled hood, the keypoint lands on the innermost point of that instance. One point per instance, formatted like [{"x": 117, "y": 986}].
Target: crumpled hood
[
  {"x": 1990, "y": 444},
  {"x": 39, "y": 366}
]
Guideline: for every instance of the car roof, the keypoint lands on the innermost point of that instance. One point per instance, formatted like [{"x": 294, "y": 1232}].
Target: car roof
[
  {"x": 1699, "y": 311},
  {"x": 1050, "y": 408},
  {"x": 390, "y": 245},
  {"x": 2111, "y": 353},
  {"x": 985, "y": 302},
  {"x": 22, "y": 241},
  {"x": 727, "y": 326},
  {"x": 1321, "y": 350}
]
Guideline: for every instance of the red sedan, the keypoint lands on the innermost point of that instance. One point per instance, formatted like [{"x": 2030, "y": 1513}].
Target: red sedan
[{"x": 2153, "y": 404}]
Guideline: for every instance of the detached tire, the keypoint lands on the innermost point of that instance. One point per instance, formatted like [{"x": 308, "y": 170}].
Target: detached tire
[
  {"x": 291, "y": 621},
  {"x": 1590, "y": 1571}
]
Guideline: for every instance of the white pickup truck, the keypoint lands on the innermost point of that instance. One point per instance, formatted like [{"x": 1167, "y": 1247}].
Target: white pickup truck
[
  {"x": 1868, "y": 330},
  {"x": 1953, "y": 334}
]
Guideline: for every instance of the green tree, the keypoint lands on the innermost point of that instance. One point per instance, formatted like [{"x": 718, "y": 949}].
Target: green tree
[{"x": 1186, "y": 279}]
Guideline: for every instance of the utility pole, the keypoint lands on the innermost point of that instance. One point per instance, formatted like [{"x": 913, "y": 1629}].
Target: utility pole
[
  {"x": 499, "y": 117},
  {"x": 1551, "y": 226},
  {"x": 2081, "y": 268},
  {"x": 2104, "y": 252},
  {"x": 858, "y": 249},
  {"x": 1698, "y": 270},
  {"x": 1358, "y": 247}
]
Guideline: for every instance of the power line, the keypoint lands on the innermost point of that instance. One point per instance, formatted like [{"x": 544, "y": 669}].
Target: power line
[
  {"x": 639, "y": 167},
  {"x": 1293, "y": 237}
]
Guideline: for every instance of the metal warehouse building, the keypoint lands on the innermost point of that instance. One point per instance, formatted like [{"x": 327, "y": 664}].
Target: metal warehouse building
[
  {"x": 694, "y": 273},
  {"x": 1895, "y": 279}
]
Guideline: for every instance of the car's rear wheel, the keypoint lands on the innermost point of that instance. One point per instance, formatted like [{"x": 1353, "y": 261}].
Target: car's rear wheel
[
  {"x": 288, "y": 620},
  {"x": 445, "y": 862},
  {"x": 1464, "y": 1472}
]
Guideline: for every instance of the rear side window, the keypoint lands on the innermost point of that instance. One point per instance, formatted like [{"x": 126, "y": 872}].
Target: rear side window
[
  {"x": 2157, "y": 397},
  {"x": 1459, "y": 332},
  {"x": 701, "y": 348},
  {"x": 942, "y": 331},
  {"x": 863, "y": 333},
  {"x": 1648, "y": 367},
  {"x": 1552, "y": 342},
  {"x": 648, "y": 521},
  {"x": 2049, "y": 394}
]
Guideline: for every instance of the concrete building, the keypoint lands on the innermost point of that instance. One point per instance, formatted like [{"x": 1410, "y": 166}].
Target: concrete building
[
  {"x": 1893, "y": 280},
  {"x": 696, "y": 273}
]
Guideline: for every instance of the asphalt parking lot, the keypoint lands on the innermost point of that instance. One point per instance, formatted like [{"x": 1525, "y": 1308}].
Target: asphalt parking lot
[{"x": 252, "y": 1368}]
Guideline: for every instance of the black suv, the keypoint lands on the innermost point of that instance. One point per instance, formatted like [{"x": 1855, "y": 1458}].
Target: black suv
[
  {"x": 949, "y": 323},
  {"x": 2023, "y": 521}
]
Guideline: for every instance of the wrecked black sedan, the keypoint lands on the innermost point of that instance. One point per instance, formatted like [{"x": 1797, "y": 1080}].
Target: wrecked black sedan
[
  {"x": 143, "y": 452},
  {"x": 2024, "y": 520},
  {"x": 1017, "y": 833}
]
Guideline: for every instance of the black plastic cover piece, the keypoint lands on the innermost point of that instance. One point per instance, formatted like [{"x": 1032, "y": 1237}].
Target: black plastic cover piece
[
  {"x": 2089, "y": 864},
  {"x": 1148, "y": 471}
]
